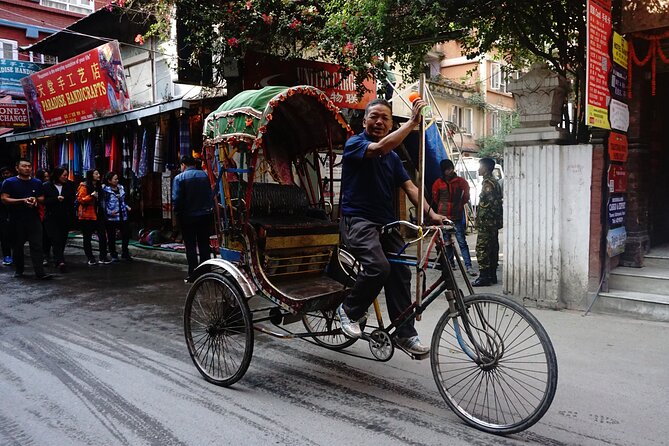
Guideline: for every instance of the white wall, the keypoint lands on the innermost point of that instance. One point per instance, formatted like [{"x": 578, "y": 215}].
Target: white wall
[{"x": 547, "y": 223}]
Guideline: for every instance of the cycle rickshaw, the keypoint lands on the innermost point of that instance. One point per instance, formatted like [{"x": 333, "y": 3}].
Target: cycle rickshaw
[{"x": 274, "y": 151}]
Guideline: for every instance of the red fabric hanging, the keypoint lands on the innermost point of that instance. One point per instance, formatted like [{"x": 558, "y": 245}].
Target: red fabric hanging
[{"x": 654, "y": 51}]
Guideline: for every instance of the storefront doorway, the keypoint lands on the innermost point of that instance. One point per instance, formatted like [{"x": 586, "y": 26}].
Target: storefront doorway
[{"x": 659, "y": 169}]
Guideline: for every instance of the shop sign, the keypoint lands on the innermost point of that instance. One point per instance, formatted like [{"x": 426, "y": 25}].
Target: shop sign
[
  {"x": 617, "y": 210},
  {"x": 618, "y": 82},
  {"x": 620, "y": 115},
  {"x": 619, "y": 50},
  {"x": 14, "y": 114},
  {"x": 11, "y": 73},
  {"x": 598, "y": 63},
  {"x": 263, "y": 70},
  {"x": 87, "y": 86},
  {"x": 615, "y": 241},
  {"x": 617, "y": 176},
  {"x": 618, "y": 147}
]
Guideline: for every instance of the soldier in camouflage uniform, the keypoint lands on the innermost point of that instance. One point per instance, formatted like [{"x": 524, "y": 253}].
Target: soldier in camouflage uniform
[{"x": 488, "y": 224}]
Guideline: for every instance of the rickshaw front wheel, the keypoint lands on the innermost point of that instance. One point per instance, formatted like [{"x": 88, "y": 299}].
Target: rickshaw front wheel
[{"x": 219, "y": 329}]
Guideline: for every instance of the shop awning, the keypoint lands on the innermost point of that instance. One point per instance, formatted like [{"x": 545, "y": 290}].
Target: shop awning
[
  {"x": 133, "y": 115},
  {"x": 92, "y": 31}
]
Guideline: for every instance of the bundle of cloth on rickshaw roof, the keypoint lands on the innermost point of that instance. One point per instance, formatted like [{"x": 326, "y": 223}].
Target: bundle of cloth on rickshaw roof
[{"x": 284, "y": 122}]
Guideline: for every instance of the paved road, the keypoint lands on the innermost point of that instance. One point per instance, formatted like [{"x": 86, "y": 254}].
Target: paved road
[{"x": 97, "y": 357}]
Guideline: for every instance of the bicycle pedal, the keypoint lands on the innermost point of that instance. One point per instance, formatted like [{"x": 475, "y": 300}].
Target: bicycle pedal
[{"x": 419, "y": 357}]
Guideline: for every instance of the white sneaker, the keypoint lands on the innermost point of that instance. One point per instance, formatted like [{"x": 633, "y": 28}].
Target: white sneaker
[
  {"x": 471, "y": 271},
  {"x": 413, "y": 345},
  {"x": 350, "y": 329}
]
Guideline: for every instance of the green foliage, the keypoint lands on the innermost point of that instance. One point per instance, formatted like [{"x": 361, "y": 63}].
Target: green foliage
[{"x": 493, "y": 145}]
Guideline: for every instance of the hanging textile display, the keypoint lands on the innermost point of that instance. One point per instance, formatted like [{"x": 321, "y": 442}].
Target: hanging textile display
[
  {"x": 184, "y": 136},
  {"x": 127, "y": 157},
  {"x": 143, "y": 161},
  {"x": 135, "y": 153},
  {"x": 87, "y": 158},
  {"x": 114, "y": 154},
  {"x": 63, "y": 155},
  {"x": 159, "y": 148},
  {"x": 43, "y": 157},
  {"x": 75, "y": 162}
]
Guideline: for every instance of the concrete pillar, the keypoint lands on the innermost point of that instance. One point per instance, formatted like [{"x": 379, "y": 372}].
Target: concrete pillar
[{"x": 546, "y": 223}]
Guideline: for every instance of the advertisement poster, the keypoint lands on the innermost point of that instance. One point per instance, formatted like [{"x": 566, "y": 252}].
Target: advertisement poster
[
  {"x": 87, "y": 86},
  {"x": 598, "y": 63},
  {"x": 620, "y": 115},
  {"x": 617, "y": 208},
  {"x": 11, "y": 73},
  {"x": 617, "y": 176},
  {"x": 615, "y": 241},
  {"x": 619, "y": 50},
  {"x": 262, "y": 70},
  {"x": 14, "y": 114},
  {"x": 618, "y": 82},
  {"x": 618, "y": 147}
]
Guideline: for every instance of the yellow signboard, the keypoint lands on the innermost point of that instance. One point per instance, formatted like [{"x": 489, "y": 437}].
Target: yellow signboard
[
  {"x": 598, "y": 117},
  {"x": 619, "y": 50}
]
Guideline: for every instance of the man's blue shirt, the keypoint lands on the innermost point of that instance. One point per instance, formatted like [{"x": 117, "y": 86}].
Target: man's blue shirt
[
  {"x": 369, "y": 184},
  {"x": 191, "y": 193},
  {"x": 15, "y": 187}
]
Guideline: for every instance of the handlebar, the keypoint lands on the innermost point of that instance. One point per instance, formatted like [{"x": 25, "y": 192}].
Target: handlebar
[{"x": 446, "y": 224}]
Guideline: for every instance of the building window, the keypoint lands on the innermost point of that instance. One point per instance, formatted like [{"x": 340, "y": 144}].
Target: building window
[
  {"x": 9, "y": 49},
  {"x": 80, "y": 6},
  {"x": 463, "y": 118},
  {"x": 495, "y": 123}
]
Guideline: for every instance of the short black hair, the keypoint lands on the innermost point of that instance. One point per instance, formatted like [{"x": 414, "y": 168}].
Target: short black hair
[
  {"x": 446, "y": 164},
  {"x": 489, "y": 163},
  {"x": 188, "y": 160},
  {"x": 375, "y": 102},
  {"x": 24, "y": 160}
]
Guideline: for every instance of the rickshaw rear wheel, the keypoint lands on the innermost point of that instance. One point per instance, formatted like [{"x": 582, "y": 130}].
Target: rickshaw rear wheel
[
  {"x": 219, "y": 329},
  {"x": 325, "y": 320}
]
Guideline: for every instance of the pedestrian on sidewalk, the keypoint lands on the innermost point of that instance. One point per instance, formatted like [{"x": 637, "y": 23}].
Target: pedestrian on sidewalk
[
  {"x": 91, "y": 216},
  {"x": 44, "y": 177},
  {"x": 193, "y": 203},
  {"x": 59, "y": 196},
  {"x": 5, "y": 240},
  {"x": 450, "y": 194},
  {"x": 21, "y": 194},
  {"x": 116, "y": 211},
  {"x": 488, "y": 224}
]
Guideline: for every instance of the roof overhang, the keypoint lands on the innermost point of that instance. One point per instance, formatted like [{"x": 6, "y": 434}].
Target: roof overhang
[
  {"x": 120, "y": 118},
  {"x": 92, "y": 31}
]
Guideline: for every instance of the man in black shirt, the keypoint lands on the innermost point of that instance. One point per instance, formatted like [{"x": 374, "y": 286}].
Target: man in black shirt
[{"x": 21, "y": 194}]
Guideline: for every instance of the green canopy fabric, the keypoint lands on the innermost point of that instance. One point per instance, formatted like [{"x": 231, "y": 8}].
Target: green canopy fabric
[{"x": 285, "y": 120}]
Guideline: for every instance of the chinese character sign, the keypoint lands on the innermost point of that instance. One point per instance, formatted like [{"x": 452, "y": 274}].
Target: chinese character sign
[
  {"x": 84, "y": 87},
  {"x": 598, "y": 63},
  {"x": 263, "y": 70},
  {"x": 11, "y": 73}
]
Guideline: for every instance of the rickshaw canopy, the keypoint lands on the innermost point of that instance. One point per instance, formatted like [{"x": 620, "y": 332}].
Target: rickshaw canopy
[{"x": 287, "y": 122}]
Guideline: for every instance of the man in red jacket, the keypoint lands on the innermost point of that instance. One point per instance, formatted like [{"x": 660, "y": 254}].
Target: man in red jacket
[{"x": 450, "y": 193}]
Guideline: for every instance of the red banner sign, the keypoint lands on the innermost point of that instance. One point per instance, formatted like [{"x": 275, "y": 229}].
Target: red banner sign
[
  {"x": 598, "y": 63},
  {"x": 617, "y": 179},
  {"x": 262, "y": 70},
  {"x": 84, "y": 87},
  {"x": 14, "y": 114},
  {"x": 618, "y": 147}
]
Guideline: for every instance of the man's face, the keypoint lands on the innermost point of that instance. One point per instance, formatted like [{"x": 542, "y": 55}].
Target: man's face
[
  {"x": 449, "y": 172},
  {"x": 6, "y": 174},
  {"x": 24, "y": 169},
  {"x": 378, "y": 122},
  {"x": 483, "y": 170}
]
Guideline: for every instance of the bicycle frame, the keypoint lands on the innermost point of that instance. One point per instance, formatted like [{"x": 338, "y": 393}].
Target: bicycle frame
[{"x": 446, "y": 283}]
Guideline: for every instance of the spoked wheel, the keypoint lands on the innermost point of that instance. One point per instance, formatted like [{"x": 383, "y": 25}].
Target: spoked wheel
[
  {"x": 511, "y": 383},
  {"x": 322, "y": 321},
  {"x": 219, "y": 329}
]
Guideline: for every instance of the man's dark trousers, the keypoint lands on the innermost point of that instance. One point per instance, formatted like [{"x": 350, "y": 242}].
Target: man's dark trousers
[
  {"x": 196, "y": 231},
  {"x": 363, "y": 239},
  {"x": 27, "y": 229}
]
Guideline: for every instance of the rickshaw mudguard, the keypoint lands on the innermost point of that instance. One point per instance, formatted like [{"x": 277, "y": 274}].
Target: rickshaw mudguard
[{"x": 229, "y": 270}]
